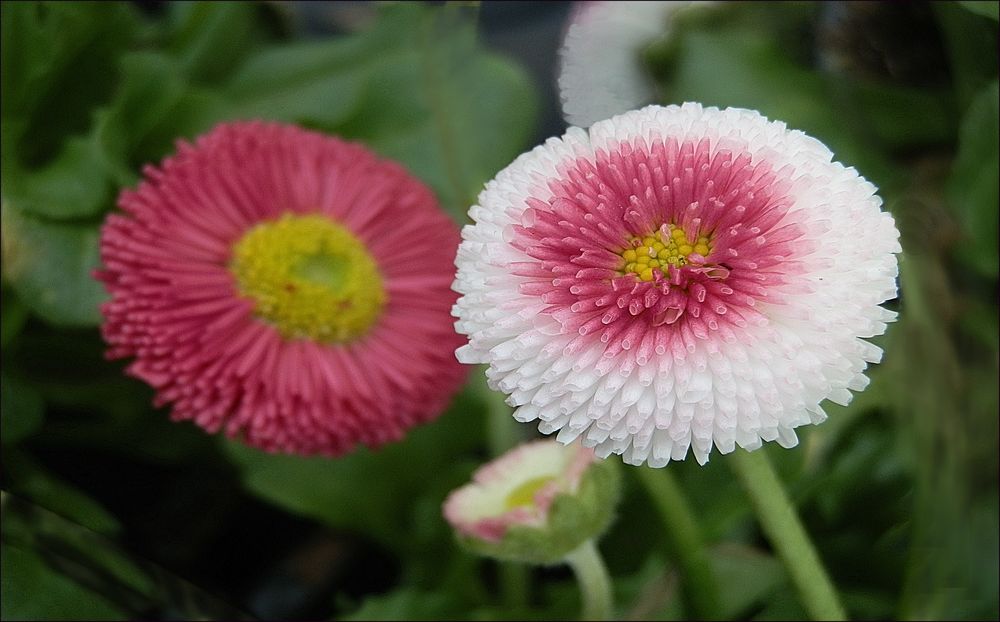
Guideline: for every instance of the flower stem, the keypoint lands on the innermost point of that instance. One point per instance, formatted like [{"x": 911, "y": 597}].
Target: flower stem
[
  {"x": 701, "y": 589},
  {"x": 592, "y": 576},
  {"x": 780, "y": 522}
]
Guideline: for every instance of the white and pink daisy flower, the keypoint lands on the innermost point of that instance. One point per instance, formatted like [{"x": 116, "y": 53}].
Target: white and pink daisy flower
[
  {"x": 286, "y": 287},
  {"x": 676, "y": 278}
]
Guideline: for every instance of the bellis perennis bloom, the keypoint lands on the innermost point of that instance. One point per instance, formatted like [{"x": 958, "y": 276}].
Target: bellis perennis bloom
[
  {"x": 601, "y": 70},
  {"x": 673, "y": 279},
  {"x": 536, "y": 503},
  {"x": 286, "y": 287}
]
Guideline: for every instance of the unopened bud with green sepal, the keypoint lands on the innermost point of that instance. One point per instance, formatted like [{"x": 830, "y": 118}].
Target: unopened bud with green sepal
[{"x": 536, "y": 503}]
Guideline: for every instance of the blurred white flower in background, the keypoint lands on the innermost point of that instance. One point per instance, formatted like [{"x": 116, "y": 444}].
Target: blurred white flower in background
[{"x": 601, "y": 73}]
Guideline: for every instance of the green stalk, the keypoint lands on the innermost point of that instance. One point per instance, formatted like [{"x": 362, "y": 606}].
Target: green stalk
[
  {"x": 595, "y": 585},
  {"x": 701, "y": 589},
  {"x": 783, "y": 528}
]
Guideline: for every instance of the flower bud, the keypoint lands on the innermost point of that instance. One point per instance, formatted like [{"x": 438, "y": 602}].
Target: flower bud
[{"x": 536, "y": 503}]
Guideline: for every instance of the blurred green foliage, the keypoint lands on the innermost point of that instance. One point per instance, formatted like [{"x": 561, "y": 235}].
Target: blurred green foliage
[{"x": 899, "y": 490}]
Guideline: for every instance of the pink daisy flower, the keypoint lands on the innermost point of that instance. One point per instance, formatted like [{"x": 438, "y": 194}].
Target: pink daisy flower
[
  {"x": 286, "y": 287},
  {"x": 676, "y": 278}
]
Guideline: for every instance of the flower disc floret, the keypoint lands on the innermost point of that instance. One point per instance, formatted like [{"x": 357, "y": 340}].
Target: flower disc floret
[
  {"x": 651, "y": 256},
  {"x": 309, "y": 277}
]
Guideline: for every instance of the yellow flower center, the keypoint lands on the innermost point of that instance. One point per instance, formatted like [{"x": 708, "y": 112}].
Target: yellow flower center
[
  {"x": 309, "y": 277},
  {"x": 654, "y": 253},
  {"x": 525, "y": 493}
]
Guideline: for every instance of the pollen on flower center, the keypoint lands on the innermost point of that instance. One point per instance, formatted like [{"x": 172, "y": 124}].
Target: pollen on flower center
[
  {"x": 309, "y": 277},
  {"x": 668, "y": 246}
]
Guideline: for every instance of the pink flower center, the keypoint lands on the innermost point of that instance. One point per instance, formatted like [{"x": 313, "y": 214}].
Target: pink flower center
[{"x": 653, "y": 247}]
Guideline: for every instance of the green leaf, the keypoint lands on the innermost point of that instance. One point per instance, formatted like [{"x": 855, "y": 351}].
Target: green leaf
[
  {"x": 415, "y": 87},
  {"x": 973, "y": 186},
  {"x": 150, "y": 107},
  {"x": 21, "y": 410},
  {"x": 750, "y": 577},
  {"x": 109, "y": 582},
  {"x": 986, "y": 8},
  {"x": 409, "y": 604},
  {"x": 318, "y": 83},
  {"x": 151, "y": 88},
  {"x": 476, "y": 110},
  {"x": 50, "y": 266},
  {"x": 31, "y": 481},
  {"x": 194, "y": 113},
  {"x": 58, "y": 63},
  {"x": 211, "y": 39},
  {"x": 118, "y": 418},
  {"x": 73, "y": 185},
  {"x": 971, "y": 43},
  {"x": 30, "y": 590},
  {"x": 783, "y": 605},
  {"x": 95, "y": 406},
  {"x": 13, "y": 316},
  {"x": 482, "y": 119},
  {"x": 374, "y": 492},
  {"x": 899, "y": 117}
]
